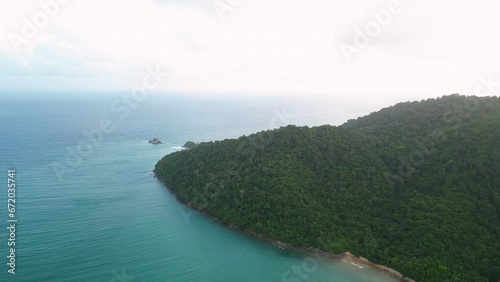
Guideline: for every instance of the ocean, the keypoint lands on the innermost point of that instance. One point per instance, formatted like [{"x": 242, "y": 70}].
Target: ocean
[{"x": 88, "y": 207}]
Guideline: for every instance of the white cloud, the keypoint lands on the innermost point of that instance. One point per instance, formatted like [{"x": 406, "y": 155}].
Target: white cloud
[{"x": 432, "y": 47}]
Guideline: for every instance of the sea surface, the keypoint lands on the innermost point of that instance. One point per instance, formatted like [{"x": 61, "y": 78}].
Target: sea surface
[{"x": 88, "y": 207}]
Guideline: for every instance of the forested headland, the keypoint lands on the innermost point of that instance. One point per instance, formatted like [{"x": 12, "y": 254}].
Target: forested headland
[{"x": 415, "y": 186}]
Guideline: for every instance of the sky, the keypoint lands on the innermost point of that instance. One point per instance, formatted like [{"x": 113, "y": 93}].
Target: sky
[{"x": 361, "y": 49}]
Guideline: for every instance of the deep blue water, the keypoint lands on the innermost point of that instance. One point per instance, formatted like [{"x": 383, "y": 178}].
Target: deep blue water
[{"x": 104, "y": 217}]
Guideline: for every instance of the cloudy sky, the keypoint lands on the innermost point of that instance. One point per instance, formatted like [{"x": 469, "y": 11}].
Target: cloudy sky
[{"x": 367, "y": 49}]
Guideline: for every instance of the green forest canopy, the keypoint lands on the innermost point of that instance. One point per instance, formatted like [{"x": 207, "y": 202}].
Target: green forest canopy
[{"x": 415, "y": 186}]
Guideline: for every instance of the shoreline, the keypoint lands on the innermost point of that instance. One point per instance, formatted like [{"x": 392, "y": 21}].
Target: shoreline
[{"x": 345, "y": 256}]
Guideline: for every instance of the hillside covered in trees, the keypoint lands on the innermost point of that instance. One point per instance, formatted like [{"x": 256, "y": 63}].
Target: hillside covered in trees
[{"x": 415, "y": 186}]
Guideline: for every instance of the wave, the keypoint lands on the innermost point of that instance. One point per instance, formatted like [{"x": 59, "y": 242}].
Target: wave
[{"x": 357, "y": 265}]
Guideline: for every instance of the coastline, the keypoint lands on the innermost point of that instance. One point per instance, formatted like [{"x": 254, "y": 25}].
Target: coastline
[{"x": 345, "y": 256}]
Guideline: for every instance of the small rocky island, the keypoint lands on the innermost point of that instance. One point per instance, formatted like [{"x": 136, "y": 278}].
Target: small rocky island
[
  {"x": 189, "y": 145},
  {"x": 155, "y": 141}
]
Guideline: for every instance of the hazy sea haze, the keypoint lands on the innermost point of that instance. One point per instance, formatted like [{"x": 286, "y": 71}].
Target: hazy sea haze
[{"x": 109, "y": 219}]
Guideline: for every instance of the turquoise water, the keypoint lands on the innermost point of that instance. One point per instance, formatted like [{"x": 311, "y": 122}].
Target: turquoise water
[{"x": 109, "y": 219}]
